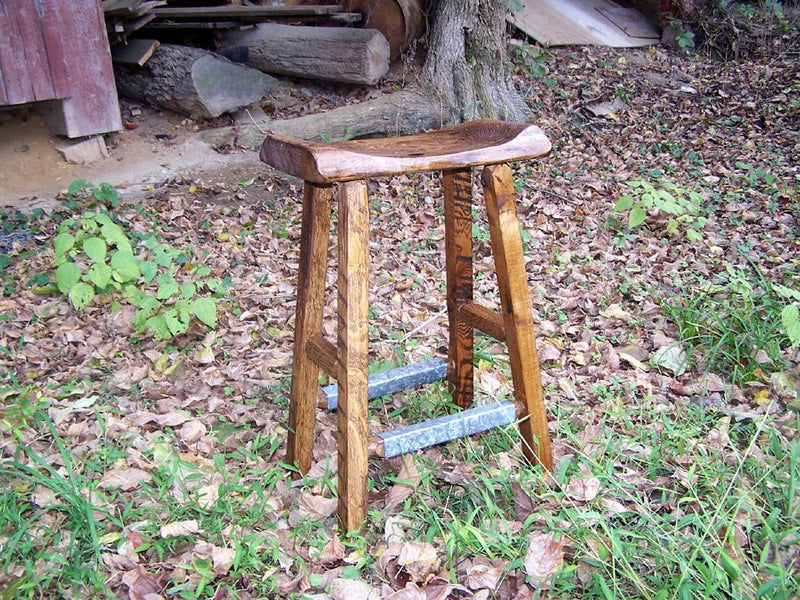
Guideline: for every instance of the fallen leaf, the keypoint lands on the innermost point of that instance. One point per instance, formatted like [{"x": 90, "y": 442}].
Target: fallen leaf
[
  {"x": 141, "y": 583},
  {"x": 124, "y": 479},
  {"x": 177, "y": 528},
  {"x": 544, "y": 558},
  {"x": 480, "y": 577},
  {"x": 352, "y": 589},
  {"x": 317, "y": 505}
]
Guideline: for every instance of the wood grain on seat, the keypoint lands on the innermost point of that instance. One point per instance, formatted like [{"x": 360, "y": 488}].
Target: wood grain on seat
[{"x": 470, "y": 144}]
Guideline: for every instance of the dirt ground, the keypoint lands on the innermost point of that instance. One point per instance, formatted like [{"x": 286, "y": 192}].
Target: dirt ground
[{"x": 155, "y": 146}]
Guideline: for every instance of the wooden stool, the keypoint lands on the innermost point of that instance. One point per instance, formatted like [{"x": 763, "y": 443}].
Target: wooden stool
[{"x": 454, "y": 151}]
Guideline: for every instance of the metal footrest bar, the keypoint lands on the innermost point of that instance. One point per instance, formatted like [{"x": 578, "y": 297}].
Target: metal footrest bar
[
  {"x": 444, "y": 429},
  {"x": 395, "y": 380}
]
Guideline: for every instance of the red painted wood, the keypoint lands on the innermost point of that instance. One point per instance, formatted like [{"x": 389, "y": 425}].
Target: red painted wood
[{"x": 56, "y": 50}]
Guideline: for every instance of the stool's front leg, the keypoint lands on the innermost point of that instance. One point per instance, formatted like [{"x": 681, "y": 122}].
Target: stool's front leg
[
  {"x": 516, "y": 307},
  {"x": 457, "y": 187},
  {"x": 314, "y": 241},
  {"x": 353, "y": 348}
]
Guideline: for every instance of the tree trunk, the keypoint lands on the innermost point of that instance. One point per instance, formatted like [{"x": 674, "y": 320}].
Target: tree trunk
[{"x": 467, "y": 61}]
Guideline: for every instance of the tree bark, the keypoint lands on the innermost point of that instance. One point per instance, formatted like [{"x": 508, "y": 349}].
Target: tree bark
[
  {"x": 194, "y": 82},
  {"x": 347, "y": 55},
  {"x": 467, "y": 62}
]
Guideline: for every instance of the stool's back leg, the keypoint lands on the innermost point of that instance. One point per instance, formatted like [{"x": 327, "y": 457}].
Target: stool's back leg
[
  {"x": 353, "y": 334},
  {"x": 516, "y": 307},
  {"x": 314, "y": 241},
  {"x": 457, "y": 187}
]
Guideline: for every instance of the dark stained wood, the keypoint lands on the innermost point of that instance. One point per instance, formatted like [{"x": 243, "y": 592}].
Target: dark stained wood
[
  {"x": 485, "y": 320},
  {"x": 324, "y": 354},
  {"x": 353, "y": 332},
  {"x": 314, "y": 240},
  {"x": 457, "y": 187},
  {"x": 469, "y": 144},
  {"x": 516, "y": 308},
  {"x": 134, "y": 52}
]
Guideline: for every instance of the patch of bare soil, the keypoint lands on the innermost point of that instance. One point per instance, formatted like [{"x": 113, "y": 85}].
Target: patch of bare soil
[{"x": 155, "y": 146}]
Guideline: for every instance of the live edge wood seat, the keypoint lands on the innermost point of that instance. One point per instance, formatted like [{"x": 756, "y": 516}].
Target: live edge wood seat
[{"x": 453, "y": 151}]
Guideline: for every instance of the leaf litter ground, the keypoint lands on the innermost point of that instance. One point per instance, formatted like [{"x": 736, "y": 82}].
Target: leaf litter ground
[{"x": 177, "y": 445}]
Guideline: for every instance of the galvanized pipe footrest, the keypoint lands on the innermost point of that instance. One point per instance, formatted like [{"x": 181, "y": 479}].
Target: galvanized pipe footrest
[
  {"x": 395, "y": 380},
  {"x": 443, "y": 429}
]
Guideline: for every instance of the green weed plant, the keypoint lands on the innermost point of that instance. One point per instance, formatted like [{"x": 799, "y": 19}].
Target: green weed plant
[
  {"x": 681, "y": 206},
  {"x": 95, "y": 256}
]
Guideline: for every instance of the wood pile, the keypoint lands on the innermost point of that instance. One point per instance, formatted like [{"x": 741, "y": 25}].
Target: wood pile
[{"x": 125, "y": 17}]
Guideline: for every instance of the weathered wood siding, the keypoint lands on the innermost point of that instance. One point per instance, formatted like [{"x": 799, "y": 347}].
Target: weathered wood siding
[{"x": 57, "y": 50}]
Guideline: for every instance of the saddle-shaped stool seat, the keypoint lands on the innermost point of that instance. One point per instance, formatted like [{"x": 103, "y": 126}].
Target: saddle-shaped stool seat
[{"x": 453, "y": 151}]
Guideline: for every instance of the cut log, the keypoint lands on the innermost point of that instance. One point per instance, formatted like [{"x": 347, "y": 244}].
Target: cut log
[
  {"x": 401, "y": 113},
  {"x": 194, "y": 82},
  {"x": 344, "y": 55},
  {"x": 401, "y": 21}
]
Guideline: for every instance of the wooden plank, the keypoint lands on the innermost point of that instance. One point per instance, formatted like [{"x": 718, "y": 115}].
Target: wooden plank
[
  {"x": 572, "y": 22},
  {"x": 515, "y": 301},
  {"x": 244, "y": 12},
  {"x": 77, "y": 40},
  {"x": 485, "y": 320},
  {"x": 458, "y": 272},
  {"x": 353, "y": 331},
  {"x": 314, "y": 240},
  {"x": 134, "y": 52},
  {"x": 26, "y": 72}
]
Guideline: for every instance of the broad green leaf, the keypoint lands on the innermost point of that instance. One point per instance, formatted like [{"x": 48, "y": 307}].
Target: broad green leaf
[
  {"x": 100, "y": 275},
  {"x": 113, "y": 234},
  {"x": 205, "y": 309},
  {"x": 188, "y": 290},
  {"x": 63, "y": 243},
  {"x": 167, "y": 286},
  {"x": 786, "y": 292},
  {"x": 95, "y": 249},
  {"x": 67, "y": 275},
  {"x": 178, "y": 323},
  {"x": 80, "y": 295},
  {"x": 125, "y": 266},
  {"x": 149, "y": 270},
  {"x": 693, "y": 235},
  {"x": 790, "y": 318},
  {"x": 636, "y": 217},
  {"x": 103, "y": 219},
  {"x": 158, "y": 326},
  {"x": 624, "y": 203}
]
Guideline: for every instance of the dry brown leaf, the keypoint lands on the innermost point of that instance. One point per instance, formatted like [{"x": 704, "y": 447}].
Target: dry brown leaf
[
  {"x": 480, "y": 577},
  {"x": 419, "y": 559},
  {"x": 124, "y": 479},
  {"x": 544, "y": 558},
  {"x": 409, "y": 476},
  {"x": 351, "y": 589},
  {"x": 583, "y": 488},
  {"x": 317, "y": 505},
  {"x": 141, "y": 583},
  {"x": 177, "y": 528}
]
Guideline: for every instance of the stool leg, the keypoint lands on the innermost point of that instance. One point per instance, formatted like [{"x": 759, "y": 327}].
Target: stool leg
[
  {"x": 353, "y": 347},
  {"x": 314, "y": 240},
  {"x": 457, "y": 187},
  {"x": 516, "y": 308}
]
